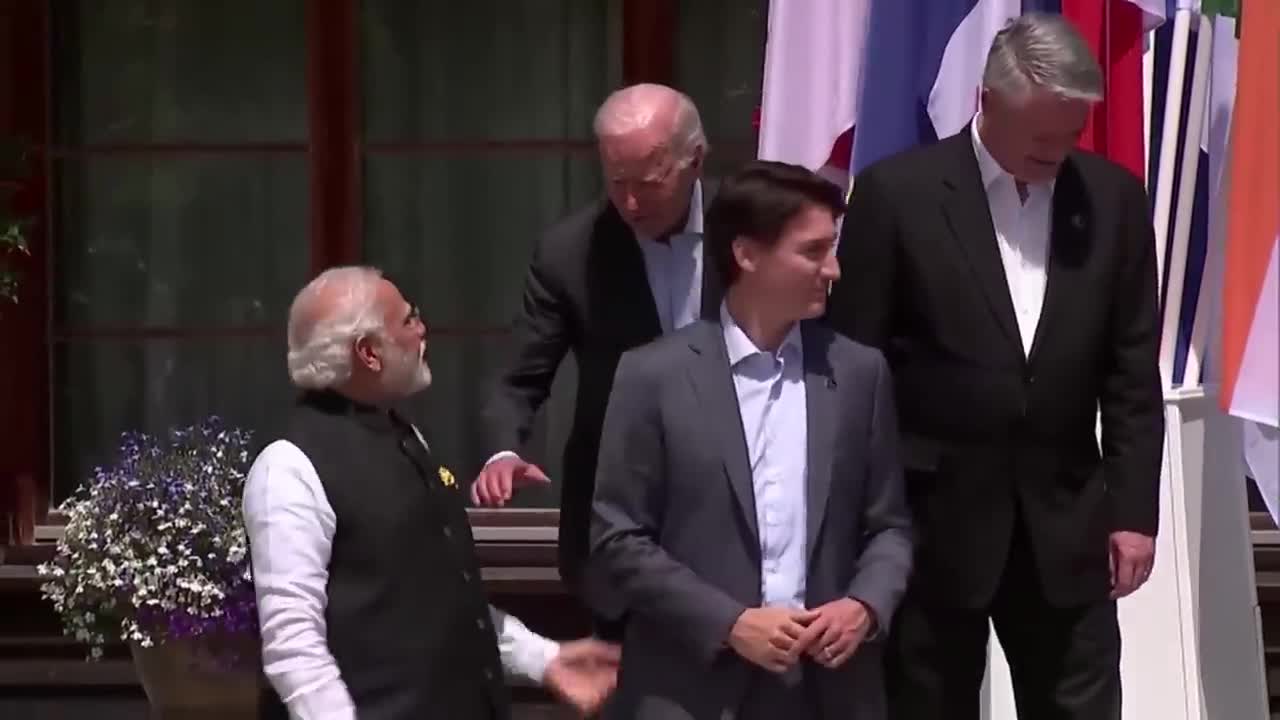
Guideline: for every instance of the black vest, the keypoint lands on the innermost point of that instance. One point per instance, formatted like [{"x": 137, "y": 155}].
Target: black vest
[{"x": 408, "y": 620}]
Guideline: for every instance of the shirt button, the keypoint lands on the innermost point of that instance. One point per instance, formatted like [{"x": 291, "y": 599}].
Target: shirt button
[
  {"x": 466, "y": 576},
  {"x": 480, "y": 623},
  {"x": 488, "y": 674},
  {"x": 448, "y": 532}
]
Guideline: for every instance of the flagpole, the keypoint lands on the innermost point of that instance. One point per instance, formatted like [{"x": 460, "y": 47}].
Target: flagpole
[
  {"x": 1168, "y": 149},
  {"x": 1148, "y": 81},
  {"x": 1186, "y": 200}
]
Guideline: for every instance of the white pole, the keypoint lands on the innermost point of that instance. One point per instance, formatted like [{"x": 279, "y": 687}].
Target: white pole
[
  {"x": 1186, "y": 200},
  {"x": 1168, "y": 148},
  {"x": 1148, "y": 80}
]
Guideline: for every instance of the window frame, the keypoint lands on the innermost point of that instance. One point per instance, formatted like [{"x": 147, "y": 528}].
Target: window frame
[{"x": 334, "y": 151}]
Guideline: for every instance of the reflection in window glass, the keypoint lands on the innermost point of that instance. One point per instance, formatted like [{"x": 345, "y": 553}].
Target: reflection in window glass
[
  {"x": 478, "y": 116},
  {"x": 720, "y": 64},
  {"x": 152, "y": 243}
]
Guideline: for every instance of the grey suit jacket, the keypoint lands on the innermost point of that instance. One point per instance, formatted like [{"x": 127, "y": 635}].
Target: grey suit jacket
[{"x": 674, "y": 523}]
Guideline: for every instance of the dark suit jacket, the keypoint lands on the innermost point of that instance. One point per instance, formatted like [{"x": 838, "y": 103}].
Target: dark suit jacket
[
  {"x": 586, "y": 293},
  {"x": 674, "y": 520},
  {"x": 987, "y": 429}
]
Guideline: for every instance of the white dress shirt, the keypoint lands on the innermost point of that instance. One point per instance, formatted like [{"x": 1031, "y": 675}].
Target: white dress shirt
[
  {"x": 674, "y": 269},
  {"x": 291, "y": 526},
  {"x": 773, "y": 406},
  {"x": 1022, "y": 234}
]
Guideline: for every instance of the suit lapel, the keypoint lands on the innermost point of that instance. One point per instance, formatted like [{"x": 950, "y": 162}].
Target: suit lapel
[
  {"x": 713, "y": 385},
  {"x": 1069, "y": 234},
  {"x": 820, "y": 415},
  {"x": 626, "y": 272},
  {"x": 712, "y": 287},
  {"x": 969, "y": 216}
]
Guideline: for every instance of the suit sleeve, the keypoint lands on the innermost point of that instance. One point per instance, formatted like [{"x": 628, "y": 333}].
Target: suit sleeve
[
  {"x": 884, "y": 564},
  {"x": 542, "y": 337},
  {"x": 861, "y": 302},
  {"x": 1131, "y": 402},
  {"x": 627, "y": 516}
]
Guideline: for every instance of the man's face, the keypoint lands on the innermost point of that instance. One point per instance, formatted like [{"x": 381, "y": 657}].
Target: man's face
[
  {"x": 1030, "y": 136},
  {"x": 400, "y": 350},
  {"x": 792, "y": 276},
  {"x": 648, "y": 186}
]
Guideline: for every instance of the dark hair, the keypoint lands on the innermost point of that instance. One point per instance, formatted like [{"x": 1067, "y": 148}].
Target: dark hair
[{"x": 758, "y": 202}]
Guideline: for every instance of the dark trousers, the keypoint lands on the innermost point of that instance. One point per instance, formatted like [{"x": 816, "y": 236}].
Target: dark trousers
[
  {"x": 1065, "y": 662},
  {"x": 780, "y": 697}
]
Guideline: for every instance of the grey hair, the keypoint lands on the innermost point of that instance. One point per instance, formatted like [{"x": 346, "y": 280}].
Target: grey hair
[
  {"x": 333, "y": 311},
  {"x": 635, "y": 107},
  {"x": 1042, "y": 50}
]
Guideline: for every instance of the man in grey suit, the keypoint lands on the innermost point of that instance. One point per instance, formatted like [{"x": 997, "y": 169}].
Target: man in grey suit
[{"x": 749, "y": 503}]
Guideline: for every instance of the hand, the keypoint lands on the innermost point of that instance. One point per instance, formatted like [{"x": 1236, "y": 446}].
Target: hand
[
  {"x": 583, "y": 674},
  {"x": 497, "y": 480},
  {"x": 768, "y": 636},
  {"x": 838, "y": 631},
  {"x": 1132, "y": 557}
]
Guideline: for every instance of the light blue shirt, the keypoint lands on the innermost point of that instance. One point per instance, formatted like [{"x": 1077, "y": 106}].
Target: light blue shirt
[
  {"x": 772, "y": 403},
  {"x": 674, "y": 269}
]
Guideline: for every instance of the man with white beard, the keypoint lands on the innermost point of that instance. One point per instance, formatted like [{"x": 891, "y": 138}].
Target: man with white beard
[{"x": 369, "y": 592}]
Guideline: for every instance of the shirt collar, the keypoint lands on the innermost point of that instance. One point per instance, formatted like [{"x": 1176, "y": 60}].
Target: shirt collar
[
  {"x": 692, "y": 225},
  {"x": 990, "y": 169},
  {"x": 740, "y": 346}
]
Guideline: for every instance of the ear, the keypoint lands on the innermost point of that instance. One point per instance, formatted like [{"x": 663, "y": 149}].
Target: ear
[
  {"x": 698, "y": 154},
  {"x": 744, "y": 253},
  {"x": 366, "y": 352}
]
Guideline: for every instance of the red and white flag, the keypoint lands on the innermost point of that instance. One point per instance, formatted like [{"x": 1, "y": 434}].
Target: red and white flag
[
  {"x": 812, "y": 79},
  {"x": 1115, "y": 30}
]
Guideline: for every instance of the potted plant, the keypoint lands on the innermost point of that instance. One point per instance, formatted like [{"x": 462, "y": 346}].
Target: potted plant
[{"x": 155, "y": 555}]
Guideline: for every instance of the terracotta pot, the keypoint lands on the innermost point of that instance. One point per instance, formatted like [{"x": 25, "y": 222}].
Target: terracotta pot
[{"x": 185, "y": 678}]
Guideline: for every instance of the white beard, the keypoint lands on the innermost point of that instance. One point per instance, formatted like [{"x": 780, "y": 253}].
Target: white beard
[{"x": 407, "y": 373}]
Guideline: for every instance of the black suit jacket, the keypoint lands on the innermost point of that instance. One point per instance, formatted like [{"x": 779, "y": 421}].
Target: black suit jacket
[
  {"x": 989, "y": 430},
  {"x": 587, "y": 293}
]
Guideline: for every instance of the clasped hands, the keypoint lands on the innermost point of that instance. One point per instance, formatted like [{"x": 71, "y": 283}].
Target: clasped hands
[{"x": 776, "y": 637}]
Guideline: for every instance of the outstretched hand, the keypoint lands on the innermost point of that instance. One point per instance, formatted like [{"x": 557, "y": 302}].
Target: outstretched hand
[
  {"x": 584, "y": 674},
  {"x": 500, "y": 478}
]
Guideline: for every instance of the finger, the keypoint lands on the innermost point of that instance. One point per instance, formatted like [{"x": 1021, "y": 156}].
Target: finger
[
  {"x": 481, "y": 489},
  {"x": 829, "y": 638},
  {"x": 808, "y": 640},
  {"x": 504, "y": 479},
  {"x": 792, "y": 629},
  {"x": 1126, "y": 572},
  {"x": 778, "y": 664},
  {"x": 804, "y": 617},
  {"x": 1111, "y": 564},
  {"x": 534, "y": 473},
  {"x": 781, "y": 642},
  {"x": 607, "y": 653},
  {"x": 843, "y": 656}
]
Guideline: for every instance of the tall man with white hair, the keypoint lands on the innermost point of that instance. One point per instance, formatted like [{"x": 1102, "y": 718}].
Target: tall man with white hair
[
  {"x": 369, "y": 594},
  {"x": 612, "y": 276},
  {"x": 1011, "y": 281}
]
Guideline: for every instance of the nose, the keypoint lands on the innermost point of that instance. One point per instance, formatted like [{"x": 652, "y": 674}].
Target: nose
[
  {"x": 632, "y": 204},
  {"x": 831, "y": 267}
]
